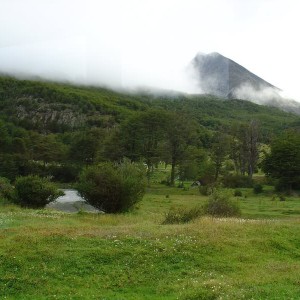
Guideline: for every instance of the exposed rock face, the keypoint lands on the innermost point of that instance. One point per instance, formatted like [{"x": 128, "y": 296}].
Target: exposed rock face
[
  {"x": 222, "y": 77},
  {"x": 42, "y": 113}
]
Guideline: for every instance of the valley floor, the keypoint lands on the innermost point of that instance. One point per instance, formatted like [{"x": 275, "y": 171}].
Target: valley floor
[{"x": 46, "y": 254}]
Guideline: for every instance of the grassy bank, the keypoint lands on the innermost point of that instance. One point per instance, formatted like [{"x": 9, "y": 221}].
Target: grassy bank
[{"x": 52, "y": 255}]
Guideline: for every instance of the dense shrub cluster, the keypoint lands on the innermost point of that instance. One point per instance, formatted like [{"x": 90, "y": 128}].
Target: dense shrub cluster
[
  {"x": 112, "y": 187},
  {"x": 35, "y": 192},
  {"x": 237, "y": 181},
  {"x": 220, "y": 204},
  {"x": 6, "y": 189}
]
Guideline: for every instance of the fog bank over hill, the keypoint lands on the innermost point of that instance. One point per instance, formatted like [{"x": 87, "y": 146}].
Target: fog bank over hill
[{"x": 223, "y": 77}]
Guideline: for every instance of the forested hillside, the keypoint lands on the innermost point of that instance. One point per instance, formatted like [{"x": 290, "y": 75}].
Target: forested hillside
[
  {"x": 53, "y": 107},
  {"x": 53, "y": 129}
]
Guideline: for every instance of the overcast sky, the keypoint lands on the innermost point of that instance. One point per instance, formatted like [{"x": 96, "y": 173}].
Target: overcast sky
[{"x": 148, "y": 43}]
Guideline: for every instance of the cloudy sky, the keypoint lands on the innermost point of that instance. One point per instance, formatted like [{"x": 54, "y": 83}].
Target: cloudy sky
[{"x": 148, "y": 42}]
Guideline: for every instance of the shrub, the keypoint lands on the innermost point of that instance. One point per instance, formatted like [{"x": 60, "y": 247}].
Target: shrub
[
  {"x": 179, "y": 215},
  {"x": 237, "y": 193},
  {"x": 282, "y": 198},
  {"x": 112, "y": 187},
  {"x": 237, "y": 181},
  {"x": 35, "y": 192},
  {"x": 6, "y": 189},
  {"x": 258, "y": 188},
  {"x": 206, "y": 190},
  {"x": 220, "y": 204}
]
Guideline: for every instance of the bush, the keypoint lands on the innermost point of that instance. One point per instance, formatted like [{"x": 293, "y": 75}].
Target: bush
[
  {"x": 35, "y": 192},
  {"x": 6, "y": 189},
  {"x": 220, "y": 204},
  {"x": 237, "y": 193},
  {"x": 258, "y": 188},
  {"x": 112, "y": 187},
  {"x": 206, "y": 190},
  {"x": 237, "y": 181},
  {"x": 179, "y": 215}
]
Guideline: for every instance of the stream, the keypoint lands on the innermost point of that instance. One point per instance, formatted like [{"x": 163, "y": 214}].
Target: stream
[{"x": 71, "y": 202}]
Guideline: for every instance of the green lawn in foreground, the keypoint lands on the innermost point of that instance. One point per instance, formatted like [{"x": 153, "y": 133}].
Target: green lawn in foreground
[{"x": 54, "y": 255}]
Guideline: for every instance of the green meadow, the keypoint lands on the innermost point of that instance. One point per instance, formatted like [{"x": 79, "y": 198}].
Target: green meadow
[{"x": 47, "y": 254}]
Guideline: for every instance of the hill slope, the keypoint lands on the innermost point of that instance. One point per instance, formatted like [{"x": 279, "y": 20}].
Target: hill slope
[{"x": 52, "y": 107}]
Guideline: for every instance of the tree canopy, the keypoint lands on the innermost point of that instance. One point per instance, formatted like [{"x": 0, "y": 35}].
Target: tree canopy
[{"x": 283, "y": 162}]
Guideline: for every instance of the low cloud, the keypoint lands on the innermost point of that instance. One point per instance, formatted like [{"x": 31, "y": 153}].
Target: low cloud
[
  {"x": 260, "y": 95},
  {"x": 266, "y": 96}
]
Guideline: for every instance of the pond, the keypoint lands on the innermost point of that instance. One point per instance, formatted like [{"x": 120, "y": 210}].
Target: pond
[{"x": 71, "y": 202}]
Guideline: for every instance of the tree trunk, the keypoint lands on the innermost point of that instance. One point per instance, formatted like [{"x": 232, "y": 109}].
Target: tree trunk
[
  {"x": 148, "y": 173},
  {"x": 173, "y": 165}
]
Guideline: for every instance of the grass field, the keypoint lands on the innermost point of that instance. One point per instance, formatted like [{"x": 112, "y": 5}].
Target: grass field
[{"x": 47, "y": 254}]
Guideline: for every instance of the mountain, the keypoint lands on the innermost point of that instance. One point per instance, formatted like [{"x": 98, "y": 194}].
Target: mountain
[{"x": 220, "y": 76}]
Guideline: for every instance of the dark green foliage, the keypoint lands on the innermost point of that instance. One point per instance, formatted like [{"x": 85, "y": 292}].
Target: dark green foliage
[
  {"x": 214, "y": 113},
  {"x": 180, "y": 215},
  {"x": 193, "y": 164},
  {"x": 220, "y": 205},
  {"x": 35, "y": 192},
  {"x": 66, "y": 172},
  {"x": 85, "y": 146},
  {"x": 47, "y": 148},
  {"x": 206, "y": 174},
  {"x": 6, "y": 189},
  {"x": 49, "y": 128},
  {"x": 283, "y": 163},
  {"x": 244, "y": 147},
  {"x": 257, "y": 188},
  {"x": 112, "y": 187},
  {"x": 219, "y": 151},
  {"x": 141, "y": 136},
  {"x": 180, "y": 133},
  {"x": 237, "y": 181},
  {"x": 237, "y": 193}
]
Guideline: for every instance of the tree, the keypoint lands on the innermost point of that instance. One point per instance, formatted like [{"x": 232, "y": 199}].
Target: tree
[
  {"x": 219, "y": 151},
  {"x": 112, "y": 187},
  {"x": 181, "y": 132},
  {"x": 244, "y": 147},
  {"x": 141, "y": 136},
  {"x": 85, "y": 146},
  {"x": 252, "y": 135},
  {"x": 47, "y": 148},
  {"x": 191, "y": 165},
  {"x": 283, "y": 162}
]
